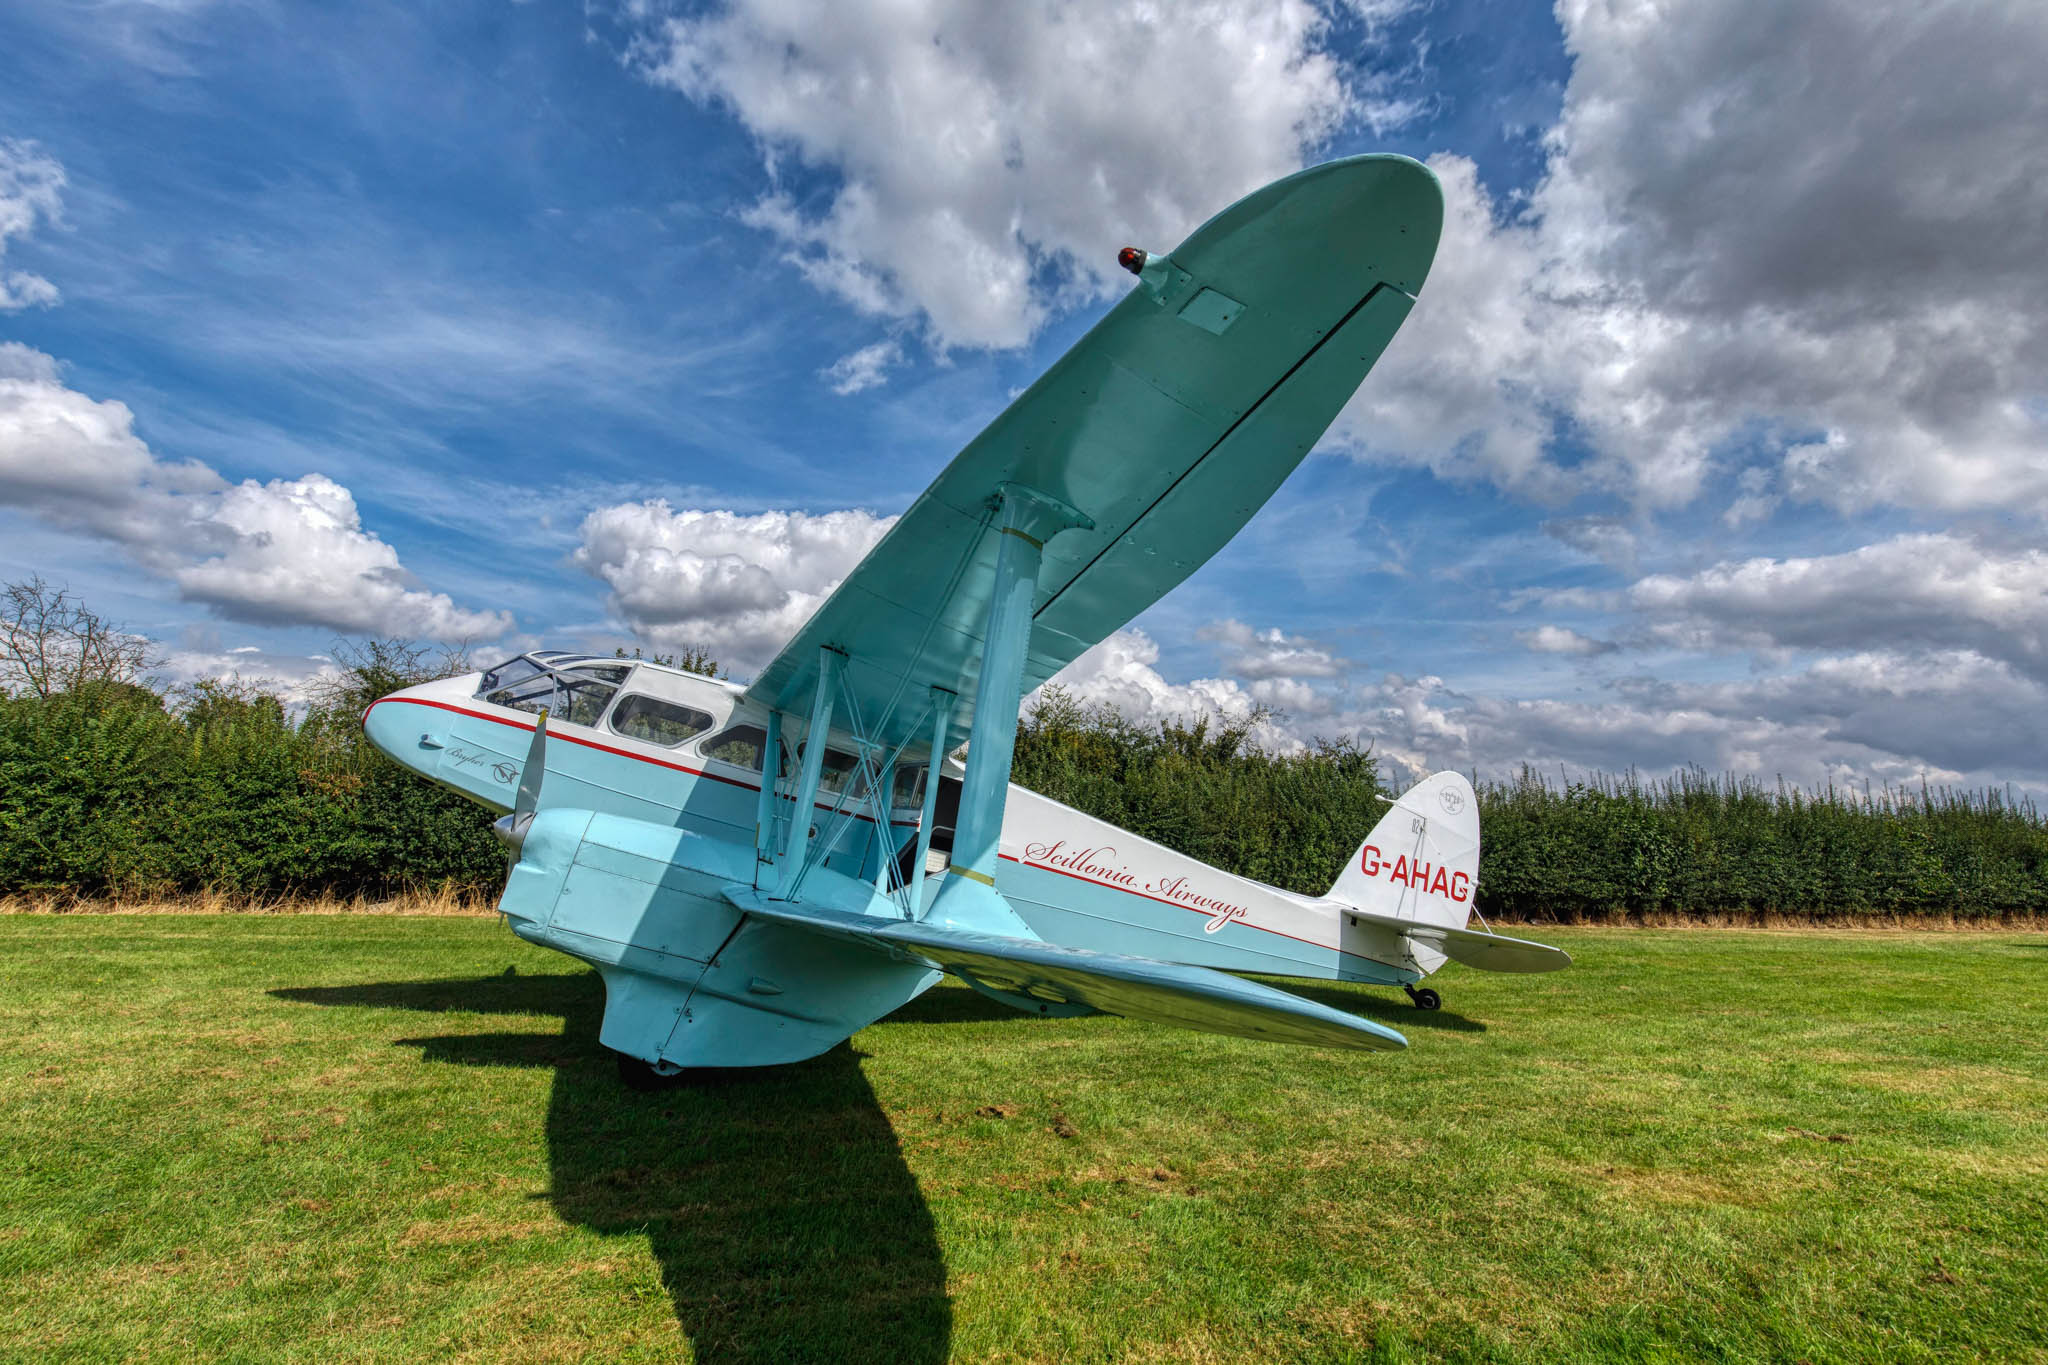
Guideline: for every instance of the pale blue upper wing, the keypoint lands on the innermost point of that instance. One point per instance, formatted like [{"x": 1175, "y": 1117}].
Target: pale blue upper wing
[{"x": 1169, "y": 424}]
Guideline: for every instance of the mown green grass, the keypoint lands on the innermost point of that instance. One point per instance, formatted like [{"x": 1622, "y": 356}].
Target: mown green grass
[{"x": 331, "y": 1139}]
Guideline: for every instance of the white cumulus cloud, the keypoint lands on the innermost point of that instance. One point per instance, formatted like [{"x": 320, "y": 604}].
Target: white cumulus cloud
[
  {"x": 1121, "y": 672},
  {"x": 1270, "y": 653},
  {"x": 294, "y": 679},
  {"x": 1562, "y": 640},
  {"x": 740, "y": 585},
  {"x": 1816, "y": 227},
  {"x": 1938, "y": 590},
  {"x": 992, "y": 158},
  {"x": 285, "y": 552},
  {"x": 1879, "y": 718}
]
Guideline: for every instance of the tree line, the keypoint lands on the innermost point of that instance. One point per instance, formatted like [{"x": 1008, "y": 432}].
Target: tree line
[{"x": 112, "y": 787}]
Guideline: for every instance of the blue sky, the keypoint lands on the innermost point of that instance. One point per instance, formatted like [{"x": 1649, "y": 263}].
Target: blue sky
[{"x": 1716, "y": 437}]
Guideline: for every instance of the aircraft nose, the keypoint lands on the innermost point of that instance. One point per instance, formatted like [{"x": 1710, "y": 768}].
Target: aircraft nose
[{"x": 402, "y": 731}]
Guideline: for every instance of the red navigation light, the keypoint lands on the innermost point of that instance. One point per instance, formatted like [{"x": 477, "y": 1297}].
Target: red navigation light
[{"x": 1131, "y": 259}]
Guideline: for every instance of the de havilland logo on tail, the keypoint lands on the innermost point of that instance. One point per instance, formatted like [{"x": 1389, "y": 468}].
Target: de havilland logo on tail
[{"x": 757, "y": 872}]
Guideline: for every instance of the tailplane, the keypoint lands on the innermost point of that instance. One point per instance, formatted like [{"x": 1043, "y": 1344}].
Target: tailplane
[{"x": 1421, "y": 861}]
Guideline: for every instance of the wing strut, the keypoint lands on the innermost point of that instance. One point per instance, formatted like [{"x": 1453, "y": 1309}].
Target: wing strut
[
  {"x": 771, "y": 787},
  {"x": 791, "y": 873},
  {"x": 829, "y": 660},
  {"x": 1027, "y": 519},
  {"x": 942, "y": 721}
]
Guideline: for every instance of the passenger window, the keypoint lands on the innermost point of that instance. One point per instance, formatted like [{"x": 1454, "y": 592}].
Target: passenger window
[
  {"x": 909, "y": 788},
  {"x": 586, "y": 703},
  {"x": 658, "y": 722},
  {"x": 836, "y": 771},
  {"x": 741, "y": 746}
]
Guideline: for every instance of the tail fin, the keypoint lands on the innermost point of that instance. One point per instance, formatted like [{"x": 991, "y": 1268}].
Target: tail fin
[{"x": 1421, "y": 861}]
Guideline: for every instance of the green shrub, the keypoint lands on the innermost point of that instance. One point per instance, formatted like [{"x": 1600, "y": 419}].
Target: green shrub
[{"x": 107, "y": 791}]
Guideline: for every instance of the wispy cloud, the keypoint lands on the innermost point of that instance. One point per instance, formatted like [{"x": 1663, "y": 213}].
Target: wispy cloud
[
  {"x": 862, "y": 369},
  {"x": 31, "y": 192}
]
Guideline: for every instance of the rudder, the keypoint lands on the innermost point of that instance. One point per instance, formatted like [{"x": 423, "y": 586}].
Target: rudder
[{"x": 1421, "y": 861}]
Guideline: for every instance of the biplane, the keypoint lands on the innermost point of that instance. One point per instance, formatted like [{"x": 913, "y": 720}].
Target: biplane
[{"x": 760, "y": 871}]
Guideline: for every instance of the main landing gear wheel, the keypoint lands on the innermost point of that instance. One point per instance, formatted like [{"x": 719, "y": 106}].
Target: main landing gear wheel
[
  {"x": 635, "y": 1074},
  {"x": 1425, "y": 999}
]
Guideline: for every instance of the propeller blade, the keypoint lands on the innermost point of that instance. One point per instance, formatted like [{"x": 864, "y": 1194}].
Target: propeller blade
[
  {"x": 530, "y": 775},
  {"x": 511, "y": 829}
]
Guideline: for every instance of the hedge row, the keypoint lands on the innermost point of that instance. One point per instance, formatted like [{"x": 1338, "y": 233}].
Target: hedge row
[
  {"x": 108, "y": 791},
  {"x": 105, "y": 791},
  {"x": 1695, "y": 845},
  {"x": 1606, "y": 849}
]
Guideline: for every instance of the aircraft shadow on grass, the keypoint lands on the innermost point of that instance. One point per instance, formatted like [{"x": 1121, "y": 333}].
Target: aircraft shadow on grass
[{"x": 777, "y": 1202}]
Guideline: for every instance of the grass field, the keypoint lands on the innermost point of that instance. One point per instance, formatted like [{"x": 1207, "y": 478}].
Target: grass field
[{"x": 336, "y": 1138}]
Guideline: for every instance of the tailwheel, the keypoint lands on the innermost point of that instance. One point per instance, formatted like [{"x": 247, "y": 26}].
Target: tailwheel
[
  {"x": 1425, "y": 999},
  {"x": 635, "y": 1074}
]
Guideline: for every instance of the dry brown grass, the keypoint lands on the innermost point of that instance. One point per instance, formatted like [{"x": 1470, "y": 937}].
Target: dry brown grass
[
  {"x": 1783, "y": 921},
  {"x": 442, "y": 900},
  {"x": 467, "y": 900}
]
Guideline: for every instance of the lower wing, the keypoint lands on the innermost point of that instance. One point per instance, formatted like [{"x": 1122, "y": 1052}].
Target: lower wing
[{"x": 1136, "y": 987}]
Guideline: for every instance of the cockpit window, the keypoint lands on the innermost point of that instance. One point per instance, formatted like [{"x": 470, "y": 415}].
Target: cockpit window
[
  {"x": 741, "y": 746},
  {"x": 909, "y": 787},
  {"x": 658, "y": 722},
  {"x": 577, "y": 692},
  {"x": 507, "y": 673}
]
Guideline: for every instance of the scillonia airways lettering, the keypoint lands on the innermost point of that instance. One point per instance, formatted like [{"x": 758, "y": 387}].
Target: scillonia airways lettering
[{"x": 1099, "y": 865}]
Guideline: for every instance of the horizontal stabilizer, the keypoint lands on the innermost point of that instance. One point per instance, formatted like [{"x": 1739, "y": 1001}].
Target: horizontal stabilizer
[
  {"x": 1487, "y": 952},
  {"x": 1136, "y": 987}
]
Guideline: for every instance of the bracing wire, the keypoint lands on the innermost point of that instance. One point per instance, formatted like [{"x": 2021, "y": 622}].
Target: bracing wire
[{"x": 822, "y": 849}]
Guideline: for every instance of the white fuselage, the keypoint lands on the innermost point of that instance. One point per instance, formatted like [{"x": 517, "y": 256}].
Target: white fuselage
[{"x": 1073, "y": 879}]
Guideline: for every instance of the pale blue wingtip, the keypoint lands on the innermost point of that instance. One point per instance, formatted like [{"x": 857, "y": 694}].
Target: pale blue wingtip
[{"x": 1399, "y": 1040}]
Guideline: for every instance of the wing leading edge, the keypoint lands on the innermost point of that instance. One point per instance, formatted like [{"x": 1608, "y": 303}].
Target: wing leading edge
[{"x": 1168, "y": 426}]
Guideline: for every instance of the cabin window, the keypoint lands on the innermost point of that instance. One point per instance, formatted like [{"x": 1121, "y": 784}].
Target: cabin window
[
  {"x": 837, "y": 771},
  {"x": 909, "y": 788},
  {"x": 658, "y": 722},
  {"x": 741, "y": 746}
]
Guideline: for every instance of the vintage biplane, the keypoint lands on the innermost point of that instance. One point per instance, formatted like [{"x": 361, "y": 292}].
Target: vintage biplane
[{"x": 760, "y": 871}]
